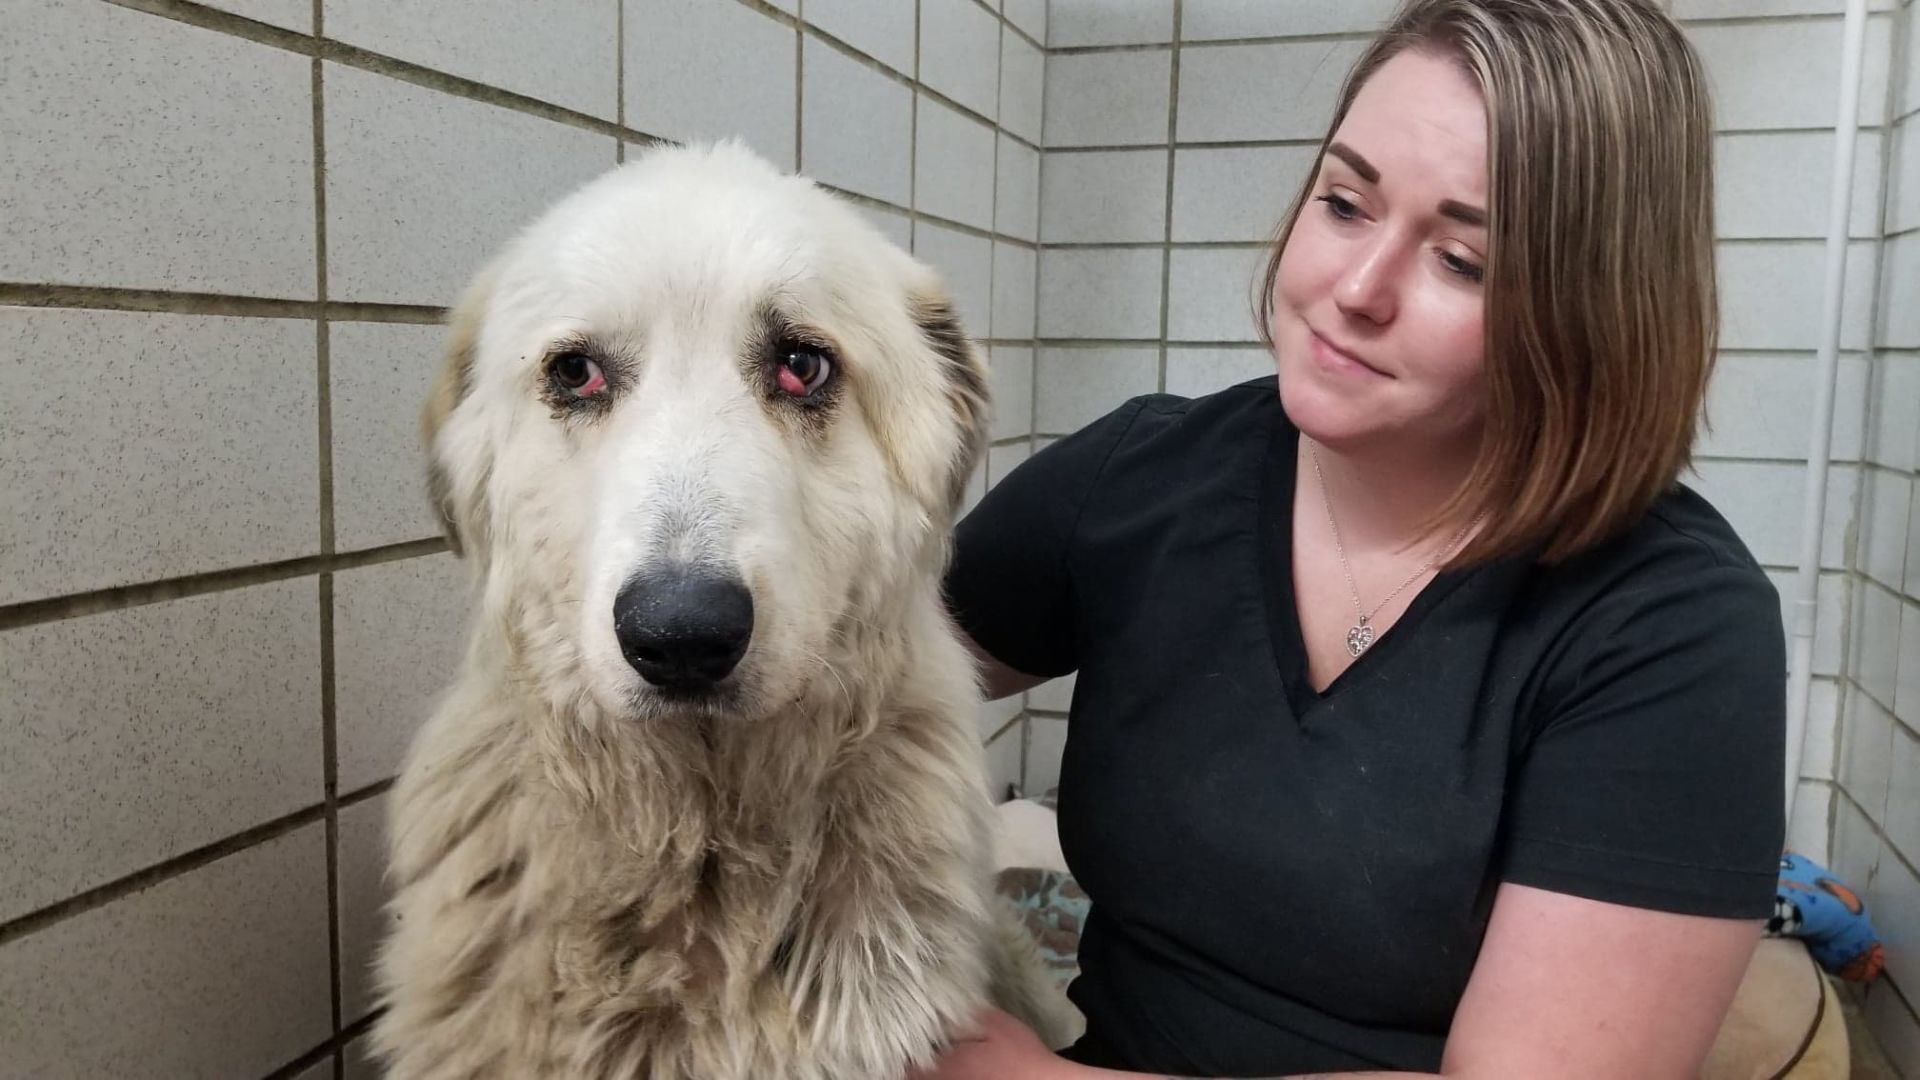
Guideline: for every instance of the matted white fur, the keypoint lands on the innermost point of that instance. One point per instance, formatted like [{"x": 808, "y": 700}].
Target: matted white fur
[{"x": 787, "y": 879}]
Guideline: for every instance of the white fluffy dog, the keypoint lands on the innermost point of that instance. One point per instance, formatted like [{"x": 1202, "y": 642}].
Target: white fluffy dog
[{"x": 705, "y": 798}]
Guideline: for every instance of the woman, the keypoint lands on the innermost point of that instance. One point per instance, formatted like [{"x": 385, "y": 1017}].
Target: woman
[{"x": 1423, "y": 722}]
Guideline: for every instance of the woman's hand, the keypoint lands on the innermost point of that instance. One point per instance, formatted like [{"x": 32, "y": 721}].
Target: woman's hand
[{"x": 1002, "y": 1048}]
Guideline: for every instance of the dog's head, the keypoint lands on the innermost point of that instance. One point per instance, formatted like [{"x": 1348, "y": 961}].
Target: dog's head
[{"x": 693, "y": 423}]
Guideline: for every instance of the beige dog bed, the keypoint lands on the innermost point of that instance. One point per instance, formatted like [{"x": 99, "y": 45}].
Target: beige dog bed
[{"x": 1785, "y": 1023}]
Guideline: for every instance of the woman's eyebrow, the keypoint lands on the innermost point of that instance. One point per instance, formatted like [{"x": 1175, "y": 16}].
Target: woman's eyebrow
[
  {"x": 1453, "y": 208},
  {"x": 1354, "y": 161}
]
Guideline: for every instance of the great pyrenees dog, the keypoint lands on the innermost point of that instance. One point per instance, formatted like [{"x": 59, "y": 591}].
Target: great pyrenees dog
[{"x": 705, "y": 798}]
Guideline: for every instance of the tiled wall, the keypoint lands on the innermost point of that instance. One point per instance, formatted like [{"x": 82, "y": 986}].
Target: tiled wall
[
  {"x": 1875, "y": 838},
  {"x": 227, "y": 233}
]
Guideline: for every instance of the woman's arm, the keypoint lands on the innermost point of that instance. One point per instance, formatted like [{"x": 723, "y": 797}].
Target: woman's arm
[{"x": 1564, "y": 987}]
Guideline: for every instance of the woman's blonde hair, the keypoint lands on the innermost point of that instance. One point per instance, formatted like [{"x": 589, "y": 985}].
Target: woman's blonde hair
[{"x": 1601, "y": 309}]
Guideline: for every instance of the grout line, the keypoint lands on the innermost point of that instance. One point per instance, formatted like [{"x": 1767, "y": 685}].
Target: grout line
[
  {"x": 371, "y": 791},
  {"x": 1794, "y": 18},
  {"x": 117, "y": 598},
  {"x": 1139, "y": 343},
  {"x": 1166, "y": 235},
  {"x": 335, "y": 1045},
  {"x": 323, "y": 1052},
  {"x": 1147, "y": 245},
  {"x": 101, "y": 895},
  {"x": 1886, "y": 842},
  {"x": 329, "y": 772},
  {"x": 109, "y": 298},
  {"x": 799, "y": 82},
  {"x": 913, "y": 144},
  {"x": 620, "y": 78},
  {"x": 912, "y": 82},
  {"x": 1195, "y": 144},
  {"x": 993, "y": 195},
  {"x": 1004, "y": 728},
  {"x": 324, "y": 584},
  {"x": 1020, "y": 32},
  {"x": 1330, "y": 37}
]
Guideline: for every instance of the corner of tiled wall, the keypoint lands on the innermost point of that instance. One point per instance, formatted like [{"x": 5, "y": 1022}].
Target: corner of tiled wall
[
  {"x": 1874, "y": 792},
  {"x": 236, "y": 224}
]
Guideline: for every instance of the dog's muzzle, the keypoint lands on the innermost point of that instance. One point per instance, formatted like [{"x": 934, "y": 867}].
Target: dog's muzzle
[{"x": 683, "y": 630}]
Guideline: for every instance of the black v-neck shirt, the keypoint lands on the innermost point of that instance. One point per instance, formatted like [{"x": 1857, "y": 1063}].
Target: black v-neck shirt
[{"x": 1285, "y": 880}]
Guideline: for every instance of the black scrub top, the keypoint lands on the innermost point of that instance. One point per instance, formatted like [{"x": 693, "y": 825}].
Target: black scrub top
[{"x": 1284, "y": 880}]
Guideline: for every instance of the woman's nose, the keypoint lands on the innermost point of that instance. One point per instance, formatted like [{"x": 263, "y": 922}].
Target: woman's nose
[{"x": 1368, "y": 288}]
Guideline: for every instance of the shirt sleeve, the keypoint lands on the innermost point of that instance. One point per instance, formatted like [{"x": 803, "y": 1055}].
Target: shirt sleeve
[
  {"x": 1009, "y": 583},
  {"x": 1656, "y": 774}
]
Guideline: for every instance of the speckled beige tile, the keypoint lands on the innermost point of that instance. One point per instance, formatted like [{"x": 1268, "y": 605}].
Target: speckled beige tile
[
  {"x": 1004, "y": 755},
  {"x": 1193, "y": 372},
  {"x": 882, "y": 29},
  {"x": 1107, "y": 98},
  {"x": 288, "y": 14},
  {"x": 380, "y": 372},
  {"x": 1775, "y": 74},
  {"x": 953, "y": 167},
  {"x": 701, "y": 69},
  {"x": 856, "y": 128},
  {"x": 960, "y": 53},
  {"x": 1016, "y": 208},
  {"x": 1023, "y": 84},
  {"x": 398, "y": 633},
  {"x": 1012, "y": 390},
  {"x": 134, "y": 736},
  {"x": 423, "y": 186},
  {"x": 1104, "y": 196},
  {"x": 146, "y": 153},
  {"x": 1100, "y": 293},
  {"x": 1213, "y": 19},
  {"x": 1282, "y": 90},
  {"x": 559, "y": 51},
  {"x": 166, "y": 445},
  {"x": 1075, "y": 387},
  {"x": 1046, "y": 743},
  {"x": 363, "y": 862},
  {"x": 965, "y": 262},
  {"x": 1013, "y": 295},
  {"x": 319, "y": 1070},
  {"x": 358, "y": 1058},
  {"x": 1212, "y": 293},
  {"x": 219, "y": 972}
]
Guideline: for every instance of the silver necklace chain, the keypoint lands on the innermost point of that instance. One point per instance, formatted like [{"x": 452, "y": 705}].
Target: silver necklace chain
[{"x": 1361, "y": 635}]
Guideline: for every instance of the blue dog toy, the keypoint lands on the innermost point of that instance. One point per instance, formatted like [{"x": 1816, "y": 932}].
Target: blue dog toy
[{"x": 1813, "y": 905}]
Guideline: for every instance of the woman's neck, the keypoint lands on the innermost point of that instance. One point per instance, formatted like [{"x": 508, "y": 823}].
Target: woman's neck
[{"x": 1384, "y": 496}]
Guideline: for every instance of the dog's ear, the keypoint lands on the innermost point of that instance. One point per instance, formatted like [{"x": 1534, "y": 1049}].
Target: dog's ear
[
  {"x": 965, "y": 373},
  {"x": 457, "y": 505}
]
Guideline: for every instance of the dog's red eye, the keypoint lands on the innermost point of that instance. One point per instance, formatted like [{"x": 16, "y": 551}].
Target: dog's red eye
[
  {"x": 579, "y": 374},
  {"x": 803, "y": 370}
]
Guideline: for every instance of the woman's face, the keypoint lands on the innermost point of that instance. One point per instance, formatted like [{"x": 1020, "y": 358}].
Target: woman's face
[{"x": 1378, "y": 308}]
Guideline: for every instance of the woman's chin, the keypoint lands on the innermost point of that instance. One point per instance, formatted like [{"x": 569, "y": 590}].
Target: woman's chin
[{"x": 1326, "y": 416}]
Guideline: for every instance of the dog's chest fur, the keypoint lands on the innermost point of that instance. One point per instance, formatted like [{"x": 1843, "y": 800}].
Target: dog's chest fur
[{"x": 678, "y": 930}]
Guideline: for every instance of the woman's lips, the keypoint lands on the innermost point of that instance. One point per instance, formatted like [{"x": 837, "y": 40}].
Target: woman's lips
[{"x": 1333, "y": 358}]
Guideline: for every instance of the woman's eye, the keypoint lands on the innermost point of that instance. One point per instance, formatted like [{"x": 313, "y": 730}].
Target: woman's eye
[
  {"x": 802, "y": 369},
  {"x": 1457, "y": 265},
  {"x": 578, "y": 373},
  {"x": 1339, "y": 207}
]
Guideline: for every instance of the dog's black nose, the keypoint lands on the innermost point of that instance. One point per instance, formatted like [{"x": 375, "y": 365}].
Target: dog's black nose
[{"x": 683, "y": 631}]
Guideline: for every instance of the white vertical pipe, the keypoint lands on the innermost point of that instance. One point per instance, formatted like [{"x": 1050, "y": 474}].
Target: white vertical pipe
[{"x": 1814, "y": 513}]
